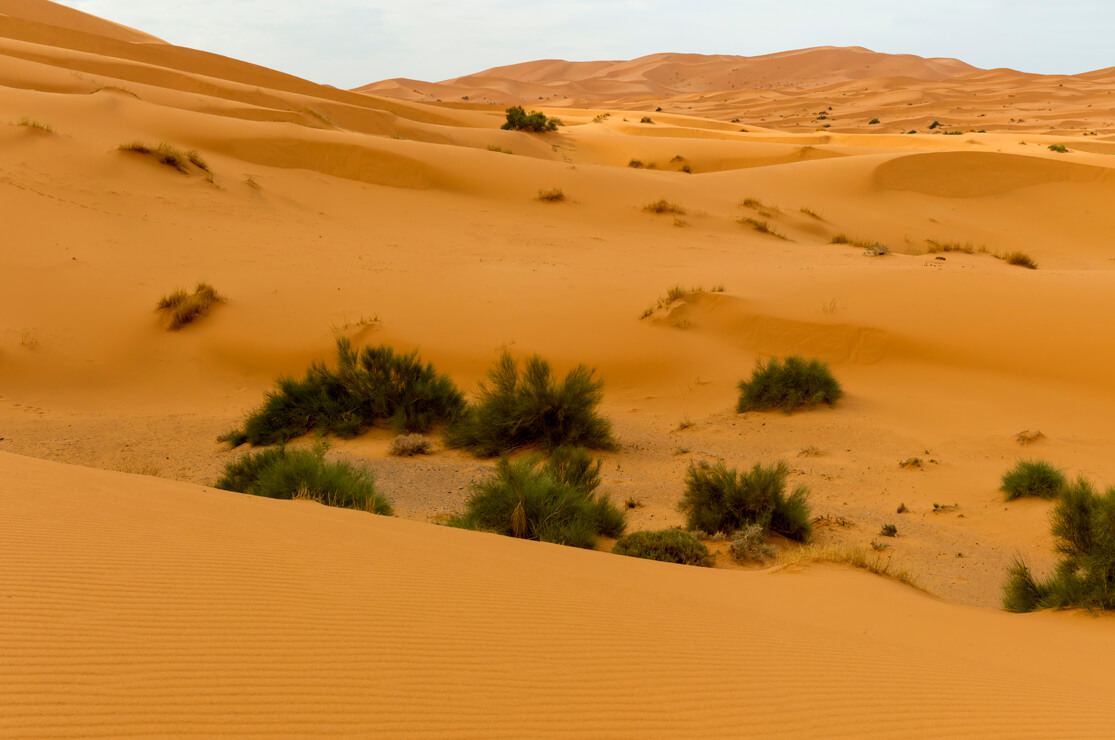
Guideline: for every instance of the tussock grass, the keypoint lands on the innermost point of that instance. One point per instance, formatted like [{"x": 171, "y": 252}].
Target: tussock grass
[
  {"x": 499, "y": 149},
  {"x": 553, "y": 502},
  {"x": 551, "y": 195},
  {"x": 184, "y": 308},
  {"x": 1083, "y": 523},
  {"x": 286, "y": 474},
  {"x": 197, "y": 161},
  {"x": 663, "y": 206},
  {"x": 1020, "y": 259},
  {"x": 845, "y": 239},
  {"x": 667, "y": 546},
  {"x": 762, "y": 227},
  {"x": 810, "y": 212},
  {"x": 965, "y": 247},
  {"x": 409, "y": 445},
  {"x": 369, "y": 385},
  {"x": 164, "y": 154},
  {"x": 1033, "y": 478},
  {"x": 721, "y": 499},
  {"x": 857, "y": 557},
  {"x": 528, "y": 406},
  {"x": 46, "y": 128},
  {"x": 789, "y": 385}
]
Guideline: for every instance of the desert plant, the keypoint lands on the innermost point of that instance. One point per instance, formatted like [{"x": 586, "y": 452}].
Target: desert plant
[
  {"x": 934, "y": 125},
  {"x": 499, "y": 149},
  {"x": 197, "y": 161},
  {"x": 635, "y": 164},
  {"x": 1083, "y": 523},
  {"x": 719, "y": 498},
  {"x": 536, "y": 122},
  {"x": 372, "y": 384},
  {"x": 762, "y": 227},
  {"x": 46, "y": 128},
  {"x": 184, "y": 308},
  {"x": 1021, "y": 259},
  {"x": 791, "y": 384},
  {"x": 810, "y": 212},
  {"x": 409, "y": 445},
  {"x": 889, "y": 530},
  {"x": 283, "y": 473},
  {"x": 873, "y": 121},
  {"x": 552, "y": 195},
  {"x": 663, "y": 206},
  {"x": 552, "y": 502},
  {"x": 164, "y": 153},
  {"x": 529, "y": 407},
  {"x": 1059, "y": 148},
  {"x": 667, "y": 545},
  {"x": 750, "y": 543},
  {"x": 1032, "y": 478},
  {"x": 965, "y": 247}
]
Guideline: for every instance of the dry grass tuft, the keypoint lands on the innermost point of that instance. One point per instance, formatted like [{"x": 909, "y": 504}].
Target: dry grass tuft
[
  {"x": 46, "y": 128},
  {"x": 663, "y": 206},
  {"x": 857, "y": 557},
  {"x": 762, "y": 227},
  {"x": 553, "y": 195},
  {"x": 966, "y": 247},
  {"x": 1021, "y": 259},
  {"x": 185, "y": 308},
  {"x": 164, "y": 153},
  {"x": 409, "y": 445}
]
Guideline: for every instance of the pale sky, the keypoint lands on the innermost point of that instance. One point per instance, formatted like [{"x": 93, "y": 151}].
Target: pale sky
[{"x": 347, "y": 43}]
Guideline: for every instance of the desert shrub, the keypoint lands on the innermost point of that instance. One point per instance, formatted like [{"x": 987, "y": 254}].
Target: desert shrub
[
  {"x": 1032, "y": 478},
  {"x": 519, "y": 120},
  {"x": 635, "y": 164},
  {"x": 1083, "y": 528},
  {"x": 283, "y": 473},
  {"x": 529, "y": 407},
  {"x": 46, "y": 128},
  {"x": 935, "y": 124},
  {"x": 889, "y": 530},
  {"x": 791, "y": 384},
  {"x": 164, "y": 153},
  {"x": 874, "y": 121},
  {"x": 184, "y": 308},
  {"x": 409, "y": 445},
  {"x": 553, "y": 502},
  {"x": 1021, "y": 259},
  {"x": 721, "y": 499},
  {"x": 373, "y": 384},
  {"x": 553, "y": 195},
  {"x": 663, "y": 206},
  {"x": 1059, "y": 148},
  {"x": 646, "y": 119},
  {"x": 667, "y": 545},
  {"x": 750, "y": 543}
]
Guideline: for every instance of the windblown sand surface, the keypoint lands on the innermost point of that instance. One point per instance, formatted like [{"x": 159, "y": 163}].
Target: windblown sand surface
[{"x": 135, "y": 605}]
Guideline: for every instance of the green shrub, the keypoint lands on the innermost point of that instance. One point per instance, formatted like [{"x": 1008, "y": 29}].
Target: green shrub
[
  {"x": 530, "y": 407},
  {"x": 286, "y": 474},
  {"x": 184, "y": 308},
  {"x": 667, "y": 545},
  {"x": 874, "y": 121},
  {"x": 789, "y": 385},
  {"x": 1059, "y": 148},
  {"x": 372, "y": 384},
  {"x": 1083, "y": 528},
  {"x": 536, "y": 122},
  {"x": 556, "y": 502},
  {"x": 721, "y": 499},
  {"x": 1032, "y": 478}
]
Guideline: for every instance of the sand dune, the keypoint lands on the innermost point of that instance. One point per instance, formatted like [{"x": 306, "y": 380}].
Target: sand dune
[{"x": 323, "y": 213}]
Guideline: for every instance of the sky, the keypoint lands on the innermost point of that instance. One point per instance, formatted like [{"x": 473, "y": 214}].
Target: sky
[{"x": 348, "y": 43}]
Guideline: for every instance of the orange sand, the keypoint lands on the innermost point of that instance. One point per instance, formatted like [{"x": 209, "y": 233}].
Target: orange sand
[{"x": 138, "y": 605}]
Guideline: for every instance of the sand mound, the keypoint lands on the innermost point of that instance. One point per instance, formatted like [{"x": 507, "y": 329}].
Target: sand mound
[
  {"x": 139, "y": 606},
  {"x": 980, "y": 174}
]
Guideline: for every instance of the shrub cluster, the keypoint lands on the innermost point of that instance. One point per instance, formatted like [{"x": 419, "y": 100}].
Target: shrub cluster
[
  {"x": 536, "y": 122},
  {"x": 1083, "y": 528},
  {"x": 789, "y": 385},
  {"x": 750, "y": 543},
  {"x": 1032, "y": 478},
  {"x": 185, "y": 308},
  {"x": 286, "y": 474},
  {"x": 668, "y": 546},
  {"x": 529, "y": 407},
  {"x": 552, "y": 502},
  {"x": 372, "y": 384},
  {"x": 721, "y": 499}
]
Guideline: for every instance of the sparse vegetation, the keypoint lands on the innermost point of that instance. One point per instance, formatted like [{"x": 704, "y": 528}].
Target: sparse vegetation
[
  {"x": 965, "y": 247},
  {"x": 284, "y": 473},
  {"x": 46, "y": 128},
  {"x": 369, "y": 385},
  {"x": 552, "y": 195},
  {"x": 499, "y": 149},
  {"x": 789, "y": 385},
  {"x": 184, "y": 308},
  {"x": 1059, "y": 148},
  {"x": 762, "y": 227},
  {"x": 1082, "y": 525},
  {"x": 409, "y": 445},
  {"x": 846, "y": 555},
  {"x": 635, "y": 164},
  {"x": 165, "y": 154},
  {"x": 889, "y": 530},
  {"x": 750, "y": 543},
  {"x": 845, "y": 239},
  {"x": 552, "y": 502},
  {"x": 535, "y": 122},
  {"x": 873, "y": 121},
  {"x": 663, "y": 206},
  {"x": 935, "y": 125},
  {"x": 667, "y": 545},
  {"x": 810, "y": 212},
  {"x": 646, "y": 119},
  {"x": 1020, "y": 259},
  {"x": 718, "y": 498},
  {"x": 1032, "y": 478},
  {"x": 529, "y": 407}
]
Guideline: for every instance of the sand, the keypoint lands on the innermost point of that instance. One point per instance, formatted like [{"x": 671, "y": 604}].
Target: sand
[{"x": 138, "y": 601}]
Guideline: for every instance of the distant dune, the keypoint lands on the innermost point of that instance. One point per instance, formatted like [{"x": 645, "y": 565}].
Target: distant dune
[{"x": 136, "y": 600}]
